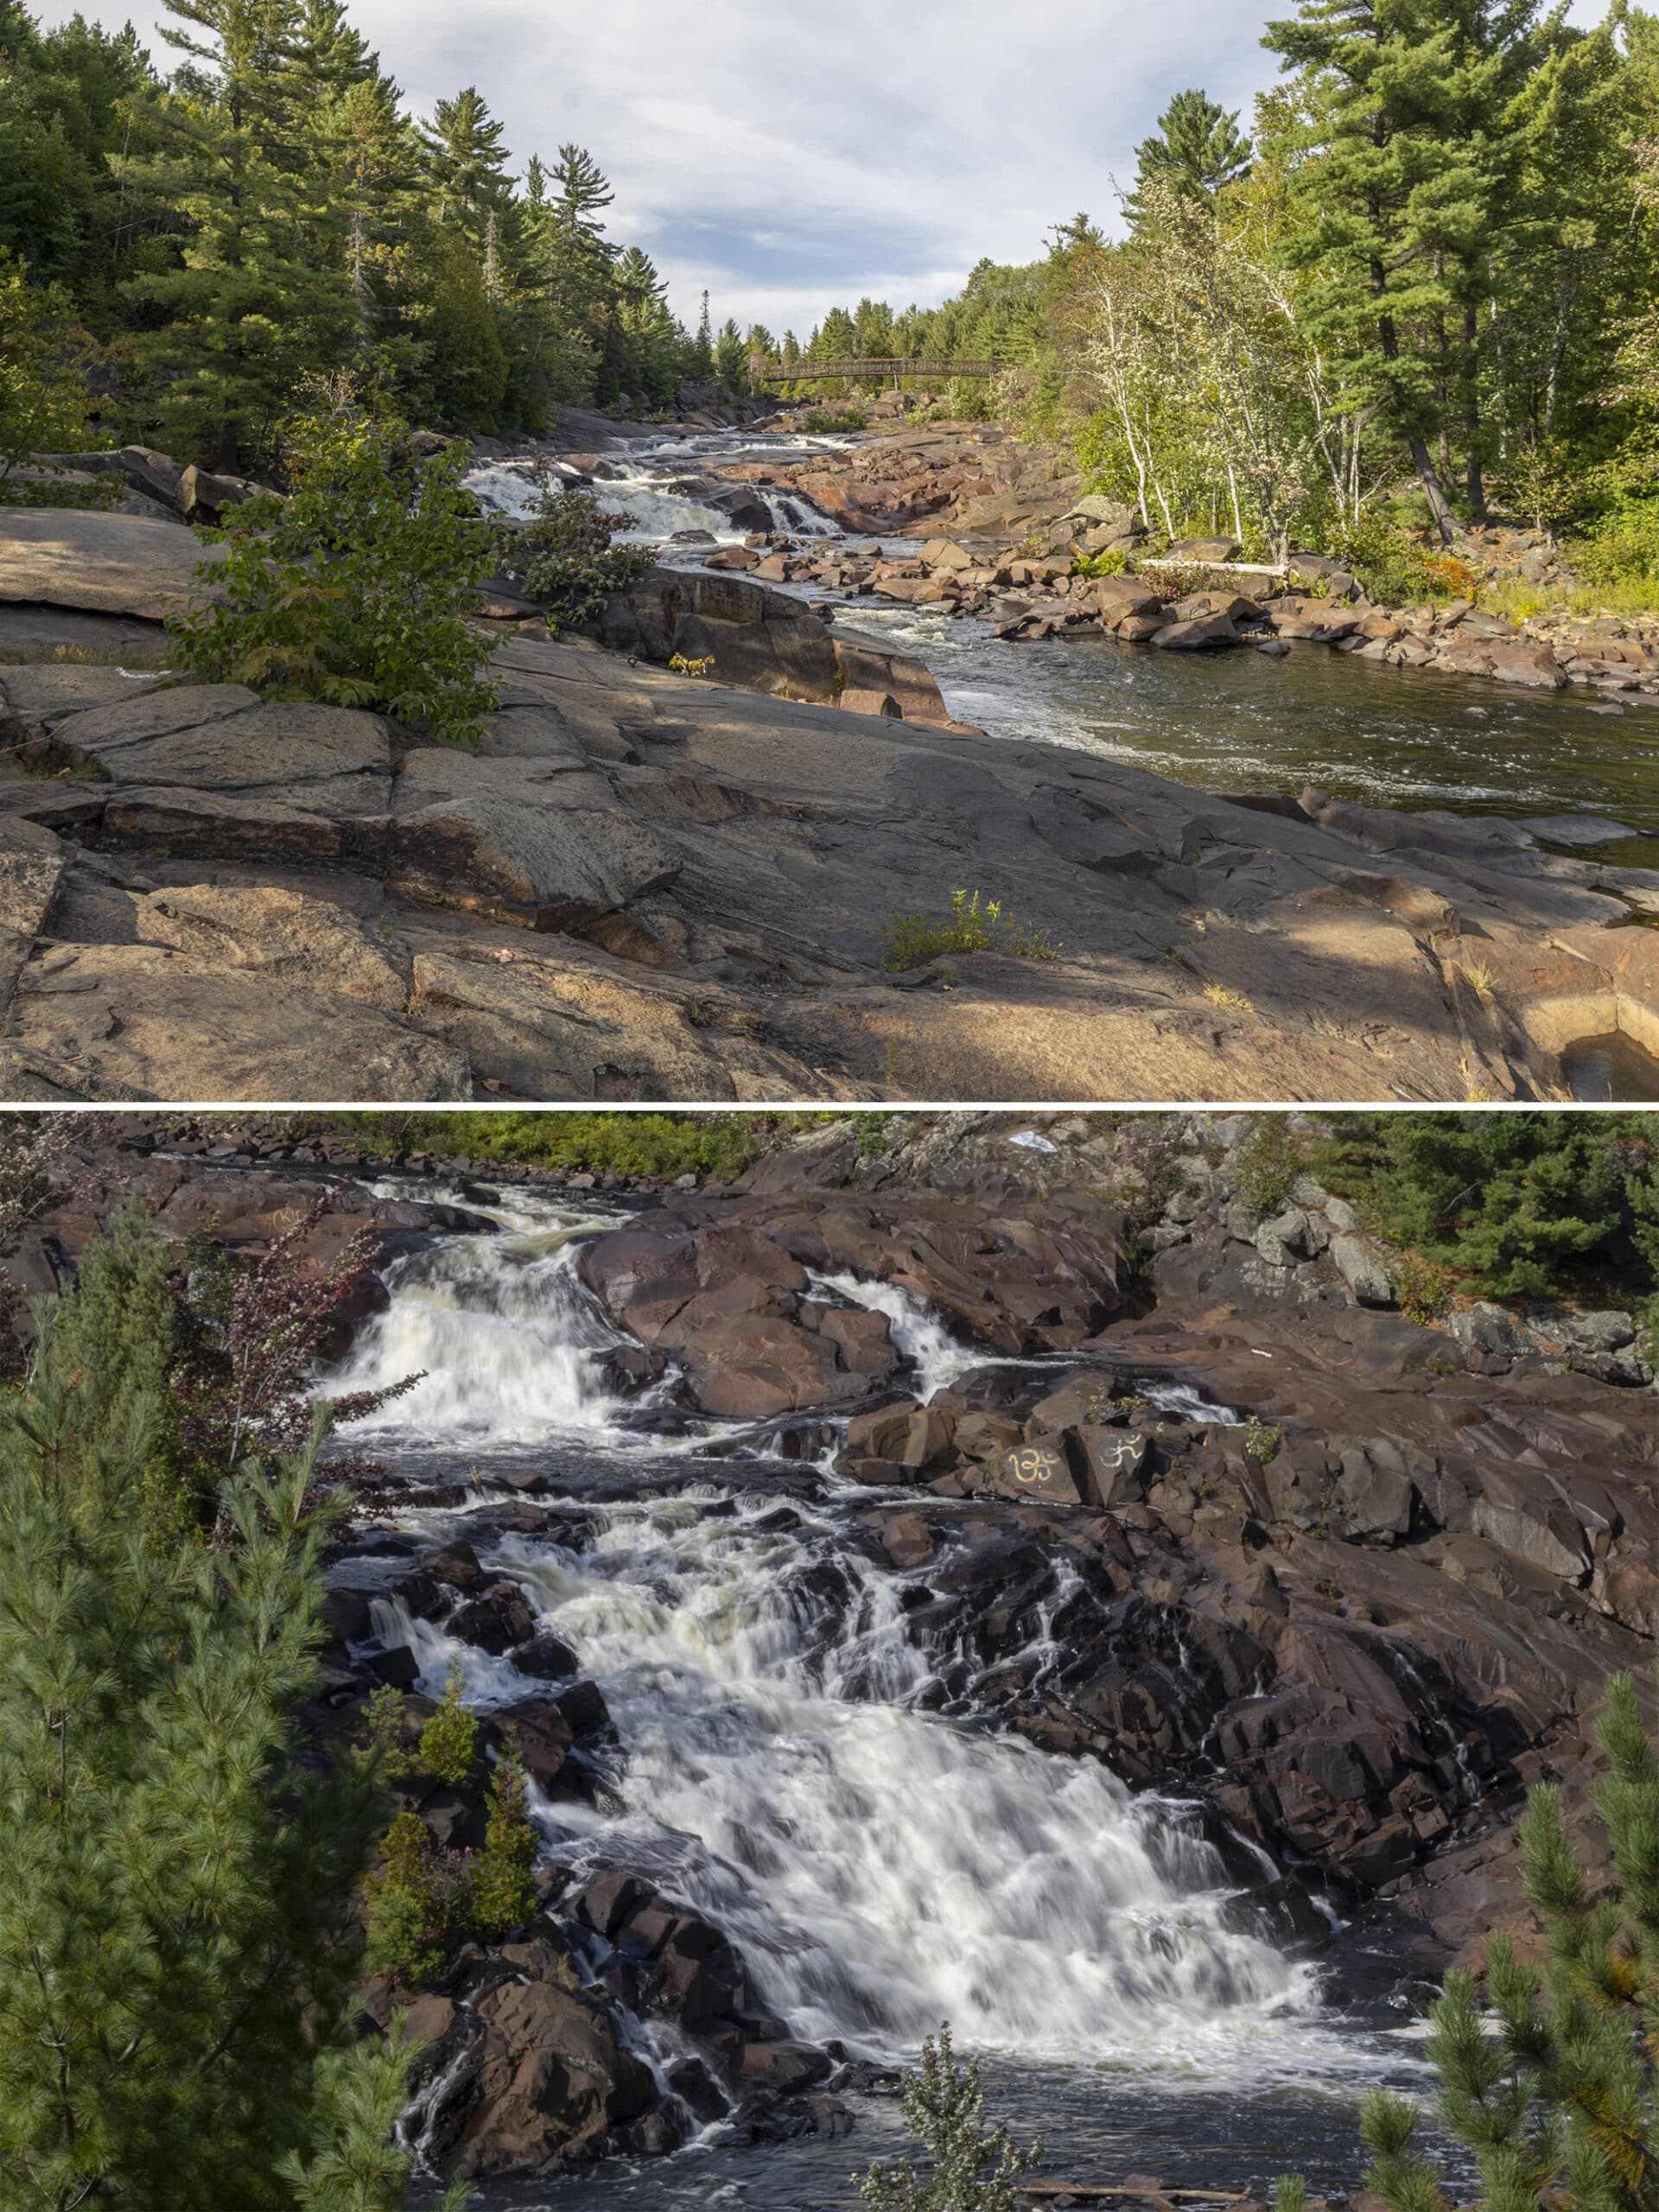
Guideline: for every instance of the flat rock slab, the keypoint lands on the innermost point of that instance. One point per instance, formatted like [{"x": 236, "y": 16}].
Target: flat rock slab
[
  {"x": 34, "y": 700},
  {"x": 140, "y": 1020},
  {"x": 108, "y": 564},
  {"x": 302, "y": 942},
  {"x": 219, "y": 737},
  {"x": 543, "y": 867}
]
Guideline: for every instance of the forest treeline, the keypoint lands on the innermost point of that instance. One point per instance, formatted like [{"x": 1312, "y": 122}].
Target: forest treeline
[
  {"x": 269, "y": 210},
  {"x": 1424, "y": 278}
]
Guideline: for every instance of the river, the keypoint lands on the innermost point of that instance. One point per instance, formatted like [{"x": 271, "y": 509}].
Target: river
[
  {"x": 883, "y": 1866},
  {"x": 1227, "y": 721}
]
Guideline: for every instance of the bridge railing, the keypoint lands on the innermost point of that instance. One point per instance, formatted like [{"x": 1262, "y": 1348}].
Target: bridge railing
[{"x": 898, "y": 367}]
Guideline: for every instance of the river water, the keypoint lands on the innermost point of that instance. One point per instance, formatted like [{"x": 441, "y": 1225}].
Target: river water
[
  {"x": 883, "y": 1866},
  {"x": 1227, "y": 721}
]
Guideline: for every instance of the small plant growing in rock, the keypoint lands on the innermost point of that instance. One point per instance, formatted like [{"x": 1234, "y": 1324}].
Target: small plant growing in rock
[
  {"x": 681, "y": 666},
  {"x": 502, "y": 1887},
  {"x": 358, "y": 587},
  {"x": 417, "y": 1901},
  {"x": 1422, "y": 1290},
  {"x": 1218, "y": 994},
  {"x": 1262, "y": 1443},
  {"x": 447, "y": 1744},
  {"x": 911, "y": 940},
  {"x": 1113, "y": 562},
  {"x": 976, "y": 2168},
  {"x": 565, "y": 556}
]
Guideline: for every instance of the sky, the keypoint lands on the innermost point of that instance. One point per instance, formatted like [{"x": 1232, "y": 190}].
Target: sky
[{"x": 791, "y": 158}]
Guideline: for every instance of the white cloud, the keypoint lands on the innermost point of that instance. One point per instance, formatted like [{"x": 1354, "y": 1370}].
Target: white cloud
[{"x": 790, "y": 158}]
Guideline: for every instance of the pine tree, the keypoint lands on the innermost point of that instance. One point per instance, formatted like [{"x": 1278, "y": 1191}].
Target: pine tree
[
  {"x": 1198, "y": 146},
  {"x": 176, "y": 1941},
  {"x": 1561, "y": 2106},
  {"x": 1411, "y": 140},
  {"x": 466, "y": 161},
  {"x": 731, "y": 358},
  {"x": 258, "y": 303}
]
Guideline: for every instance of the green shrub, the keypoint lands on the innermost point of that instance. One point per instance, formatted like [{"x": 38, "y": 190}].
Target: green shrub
[
  {"x": 1112, "y": 562},
  {"x": 1514, "y": 1205},
  {"x": 1622, "y": 547},
  {"x": 1422, "y": 1290},
  {"x": 357, "y": 587},
  {"x": 501, "y": 1893},
  {"x": 449, "y": 1740},
  {"x": 1393, "y": 568},
  {"x": 444, "y": 1748},
  {"x": 1266, "y": 1163},
  {"x": 1262, "y": 1443},
  {"x": 415, "y": 1901},
  {"x": 911, "y": 940},
  {"x": 819, "y": 422},
  {"x": 565, "y": 555},
  {"x": 662, "y": 1145}
]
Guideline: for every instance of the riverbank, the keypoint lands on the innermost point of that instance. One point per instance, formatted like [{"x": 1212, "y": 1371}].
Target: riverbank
[
  {"x": 1206, "y": 1594},
  {"x": 647, "y": 886},
  {"x": 1003, "y": 521}
]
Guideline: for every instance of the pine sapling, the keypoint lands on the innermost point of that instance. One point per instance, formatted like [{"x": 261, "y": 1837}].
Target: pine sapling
[
  {"x": 503, "y": 1885},
  {"x": 1560, "y": 2104},
  {"x": 975, "y": 2168}
]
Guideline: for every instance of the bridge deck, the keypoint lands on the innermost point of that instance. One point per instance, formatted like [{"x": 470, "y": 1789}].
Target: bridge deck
[{"x": 898, "y": 366}]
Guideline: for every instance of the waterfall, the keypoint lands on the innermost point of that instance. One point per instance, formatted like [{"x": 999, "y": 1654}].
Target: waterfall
[
  {"x": 509, "y": 1340},
  {"x": 646, "y": 491},
  {"x": 882, "y": 1867}
]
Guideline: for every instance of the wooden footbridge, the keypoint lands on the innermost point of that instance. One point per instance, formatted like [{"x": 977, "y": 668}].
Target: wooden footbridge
[{"x": 899, "y": 368}]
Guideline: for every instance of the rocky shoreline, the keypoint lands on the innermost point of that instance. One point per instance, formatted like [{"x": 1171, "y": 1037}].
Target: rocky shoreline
[
  {"x": 643, "y": 885},
  {"x": 1003, "y": 520},
  {"x": 1360, "y": 1590}
]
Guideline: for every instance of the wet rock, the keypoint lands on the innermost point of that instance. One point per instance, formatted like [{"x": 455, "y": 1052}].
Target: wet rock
[
  {"x": 550, "y": 2081},
  {"x": 784, "y": 2068},
  {"x": 546, "y": 1657},
  {"x": 495, "y": 1620}
]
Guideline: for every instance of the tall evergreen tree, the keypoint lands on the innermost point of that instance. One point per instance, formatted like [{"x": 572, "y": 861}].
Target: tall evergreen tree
[
  {"x": 1411, "y": 142},
  {"x": 175, "y": 1934},
  {"x": 256, "y": 301},
  {"x": 466, "y": 161},
  {"x": 1198, "y": 147}
]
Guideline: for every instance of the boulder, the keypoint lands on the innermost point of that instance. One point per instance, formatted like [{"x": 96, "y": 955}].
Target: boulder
[
  {"x": 548, "y": 2083},
  {"x": 1193, "y": 635},
  {"x": 114, "y": 564},
  {"x": 1364, "y": 1274}
]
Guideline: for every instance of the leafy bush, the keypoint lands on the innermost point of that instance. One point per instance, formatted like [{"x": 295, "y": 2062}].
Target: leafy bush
[
  {"x": 913, "y": 939},
  {"x": 975, "y": 2168},
  {"x": 1559, "y": 2105},
  {"x": 1389, "y": 563},
  {"x": 357, "y": 587},
  {"x": 1623, "y": 547},
  {"x": 819, "y": 422},
  {"x": 1422, "y": 1290},
  {"x": 565, "y": 557},
  {"x": 45, "y": 361},
  {"x": 1112, "y": 562},
  {"x": 1262, "y": 1443}
]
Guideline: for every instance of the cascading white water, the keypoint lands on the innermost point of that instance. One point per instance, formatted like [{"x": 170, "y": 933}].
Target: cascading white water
[
  {"x": 644, "y": 490},
  {"x": 881, "y": 1868},
  {"x": 915, "y": 1328},
  {"x": 499, "y": 1324}
]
